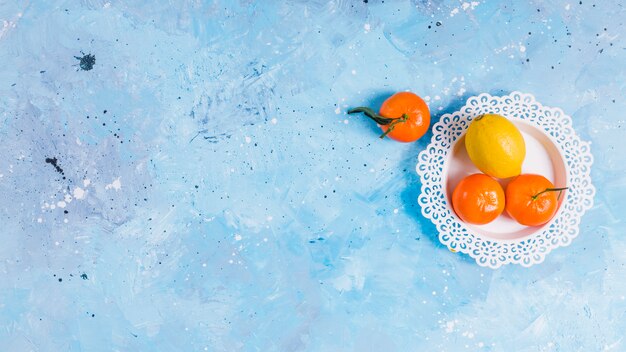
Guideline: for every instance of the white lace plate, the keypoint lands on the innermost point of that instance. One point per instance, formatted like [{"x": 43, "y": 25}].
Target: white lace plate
[{"x": 552, "y": 149}]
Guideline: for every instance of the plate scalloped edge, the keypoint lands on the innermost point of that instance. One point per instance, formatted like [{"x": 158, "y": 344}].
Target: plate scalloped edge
[{"x": 529, "y": 250}]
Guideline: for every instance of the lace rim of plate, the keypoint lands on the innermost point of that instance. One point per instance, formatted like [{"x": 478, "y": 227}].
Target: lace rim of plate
[{"x": 529, "y": 250}]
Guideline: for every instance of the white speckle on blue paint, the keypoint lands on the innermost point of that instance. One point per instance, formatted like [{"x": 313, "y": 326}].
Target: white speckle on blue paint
[
  {"x": 450, "y": 326},
  {"x": 79, "y": 193},
  {"x": 116, "y": 184}
]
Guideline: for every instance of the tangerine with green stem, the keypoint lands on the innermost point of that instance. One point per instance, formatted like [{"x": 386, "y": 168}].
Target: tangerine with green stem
[
  {"x": 403, "y": 117},
  {"x": 532, "y": 200}
]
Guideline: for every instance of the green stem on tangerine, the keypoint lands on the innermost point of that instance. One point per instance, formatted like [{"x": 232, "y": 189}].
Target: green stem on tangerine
[
  {"x": 393, "y": 125},
  {"x": 560, "y": 190},
  {"x": 379, "y": 119}
]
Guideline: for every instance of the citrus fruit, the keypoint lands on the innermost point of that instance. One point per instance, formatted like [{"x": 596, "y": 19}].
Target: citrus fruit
[
  {"x": 478, "y": 199},
  {"x": 532, "y": 199},
  {"x": 495, "y": 146},
  {"x": 403, "y": 117}
]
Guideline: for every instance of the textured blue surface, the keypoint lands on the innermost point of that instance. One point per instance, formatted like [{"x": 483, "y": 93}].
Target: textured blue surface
[{"x": 214, "y": 195}]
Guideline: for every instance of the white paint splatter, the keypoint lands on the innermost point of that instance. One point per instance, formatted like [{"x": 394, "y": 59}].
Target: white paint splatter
[
  {"x": 274, "y": 121},
  {"x": 238, "y": 237},
  {"x": 116, "y": 184},
  {"x": 79, "y": 193},
  {"x": 8, "y": 25},
  {"x": 454, "y": 11},
  {"x": 86, "y": 182},
  {"x": 338, "y": 110},
  {"x": 248, "y": 139},
  {"x": 367, "y": 27},
  {"x": 395, "y": 211},
  {"x": 40, "y": 220},
  {"x": 61, "y": 204},
  {"x": 567, "y": 7},
  {"x": 522, "y": 48},
  {"x": 450, "y": 327},
  {"x": 354, "y": 72},
  {"x": 65, "y": 221}
]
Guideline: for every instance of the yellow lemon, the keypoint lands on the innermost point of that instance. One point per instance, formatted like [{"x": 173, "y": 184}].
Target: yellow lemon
[{"x": 495, "y": 146}]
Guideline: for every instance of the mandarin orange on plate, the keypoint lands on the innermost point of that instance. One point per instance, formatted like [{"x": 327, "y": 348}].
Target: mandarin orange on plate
[
  {"x": 532, "y": 200},
  {"x": 478, "y": 199}
]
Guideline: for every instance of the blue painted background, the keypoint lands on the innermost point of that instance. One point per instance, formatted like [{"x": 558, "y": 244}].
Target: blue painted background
[{"x": 214, "y": 195}]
